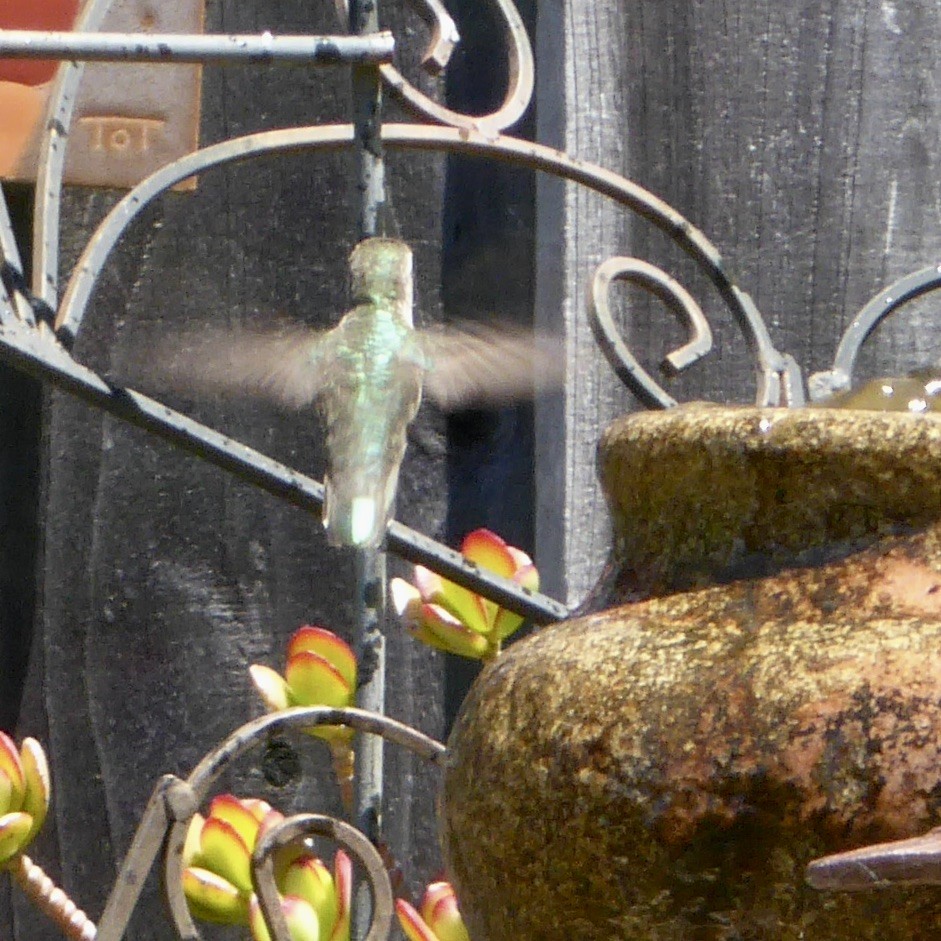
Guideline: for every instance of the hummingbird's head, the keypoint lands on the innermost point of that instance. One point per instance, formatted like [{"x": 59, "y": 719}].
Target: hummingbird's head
[{"x": 381, "y": 272}]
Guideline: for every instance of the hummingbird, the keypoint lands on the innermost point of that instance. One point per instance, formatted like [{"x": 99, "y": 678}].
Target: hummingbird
[{"x": 366, "y": 375}]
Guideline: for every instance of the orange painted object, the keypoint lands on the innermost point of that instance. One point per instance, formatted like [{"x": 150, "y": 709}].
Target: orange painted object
[
  {"x": 130, "y": 119},
  {"x": 34, "y": 14}
]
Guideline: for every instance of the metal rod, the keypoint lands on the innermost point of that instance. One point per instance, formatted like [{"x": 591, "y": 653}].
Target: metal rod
[
  {"x": 24, "y": 348},
  {"x": 367, "y": 123},
  {"x": 208, "y": 50},
  {"x": 15, "y": 304},
  {"x": 370, "y": 610},
  {"x": 370, "y": 562}
]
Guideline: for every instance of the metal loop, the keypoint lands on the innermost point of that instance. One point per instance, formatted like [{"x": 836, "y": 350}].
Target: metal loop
[
  {"x": 444, "y": 32},
  {"x": 521, "y": 71},
  {"x": 840, "y": 377},
  {"x": 295, "y": 829},
  {"x": 63, "y": 97},
  {"x": 675, "y": 296},
  {"x": 252, "y": 735}
]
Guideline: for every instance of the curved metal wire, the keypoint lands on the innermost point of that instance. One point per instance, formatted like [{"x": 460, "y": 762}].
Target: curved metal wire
[
  {"x": 51, "y": 173},
  {"x": 771, "y": 365},
  {"x": 295, "y": 829},
  {"x": 521, "y": 80},
  {"x": 255, "y": 734},
  {"x": 608, "y": 337},
  {"x": 840, "y": 376},
  {"x": 13, "y": 302},
  {"x": 444, "y": 33},
  {"x": 521, "y": 70}
]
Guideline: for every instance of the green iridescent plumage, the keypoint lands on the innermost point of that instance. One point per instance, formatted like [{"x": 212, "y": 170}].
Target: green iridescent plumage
[{"x": 366, "y": 375}]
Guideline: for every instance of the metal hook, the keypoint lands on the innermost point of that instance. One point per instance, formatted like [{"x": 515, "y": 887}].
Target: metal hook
[
  {"x": 444, "y": 33},
  {"x": 675, "y": 296},
  {"x": 297, "y": 828},
  {"x": 521, "y": 68},
  {"x": 840, "y": 376}
]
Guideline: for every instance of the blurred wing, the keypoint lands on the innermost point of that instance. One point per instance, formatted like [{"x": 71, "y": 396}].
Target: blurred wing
[
  {"x": 286, "y": 366},
  {"x": 473, "y": 365}
]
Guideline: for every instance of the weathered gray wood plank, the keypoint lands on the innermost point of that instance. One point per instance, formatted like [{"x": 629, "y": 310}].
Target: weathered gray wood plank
[{"x": 801, "y": 137}]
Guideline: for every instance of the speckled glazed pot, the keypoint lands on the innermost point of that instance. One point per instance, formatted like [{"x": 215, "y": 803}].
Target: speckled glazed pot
[{"x": 667, "y": 768}]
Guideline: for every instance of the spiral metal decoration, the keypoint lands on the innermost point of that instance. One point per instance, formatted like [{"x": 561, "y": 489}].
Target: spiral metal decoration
[{"x": 163, "y": 828}]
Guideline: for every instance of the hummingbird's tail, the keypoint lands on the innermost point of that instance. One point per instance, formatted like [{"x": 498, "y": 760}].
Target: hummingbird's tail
[{"x": 358, "y": 508}]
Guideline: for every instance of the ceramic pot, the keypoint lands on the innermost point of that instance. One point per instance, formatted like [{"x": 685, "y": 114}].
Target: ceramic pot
[{"x": 667, "y": 768}]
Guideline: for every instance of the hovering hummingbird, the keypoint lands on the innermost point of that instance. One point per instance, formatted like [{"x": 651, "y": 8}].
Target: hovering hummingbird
[{"x": 366, "y": 375}]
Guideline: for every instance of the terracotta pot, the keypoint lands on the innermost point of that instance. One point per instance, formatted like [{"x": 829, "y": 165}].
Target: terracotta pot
[{"x": 666, "y": 769}]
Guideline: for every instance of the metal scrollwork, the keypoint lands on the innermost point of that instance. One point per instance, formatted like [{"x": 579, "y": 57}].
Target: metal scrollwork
[
  {"x": 675, "y": 296},
  {"x": 840, "y": 376},
  {"x": 444, "y": 33},
  {"x": 779, "y": 380},
  {"x": 521, "y": 70},
  {"x": 295, "y": 829},
  {"x": 168, "y": 815}
]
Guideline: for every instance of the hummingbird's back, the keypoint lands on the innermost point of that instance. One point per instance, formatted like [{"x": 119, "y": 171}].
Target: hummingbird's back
[{"x": 374, "y": 393}]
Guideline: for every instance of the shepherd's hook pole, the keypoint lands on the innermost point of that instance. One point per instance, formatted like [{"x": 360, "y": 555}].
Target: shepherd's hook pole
[{"x": 370, "y": 563}]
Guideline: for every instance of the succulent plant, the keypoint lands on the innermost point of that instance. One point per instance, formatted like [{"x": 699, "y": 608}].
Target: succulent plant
[
  {"x": 320, "y": 671},
  {"x": 24, "y": 795},
  {"x": 454, "y": 619},
  {"x": 438, "y": 918},
  {"x": 217, "y": 878}
]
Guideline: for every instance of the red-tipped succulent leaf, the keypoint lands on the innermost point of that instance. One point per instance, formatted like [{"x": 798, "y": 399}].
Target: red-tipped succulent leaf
[
  {"x": 24, "y": 795},
  {"x": 454, "y": 619}
]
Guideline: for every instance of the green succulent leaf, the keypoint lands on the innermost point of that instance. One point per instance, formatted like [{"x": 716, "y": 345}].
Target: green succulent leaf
[
  {"x": 213, "y": 898},
  {"x": 15, "y": 829}
]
